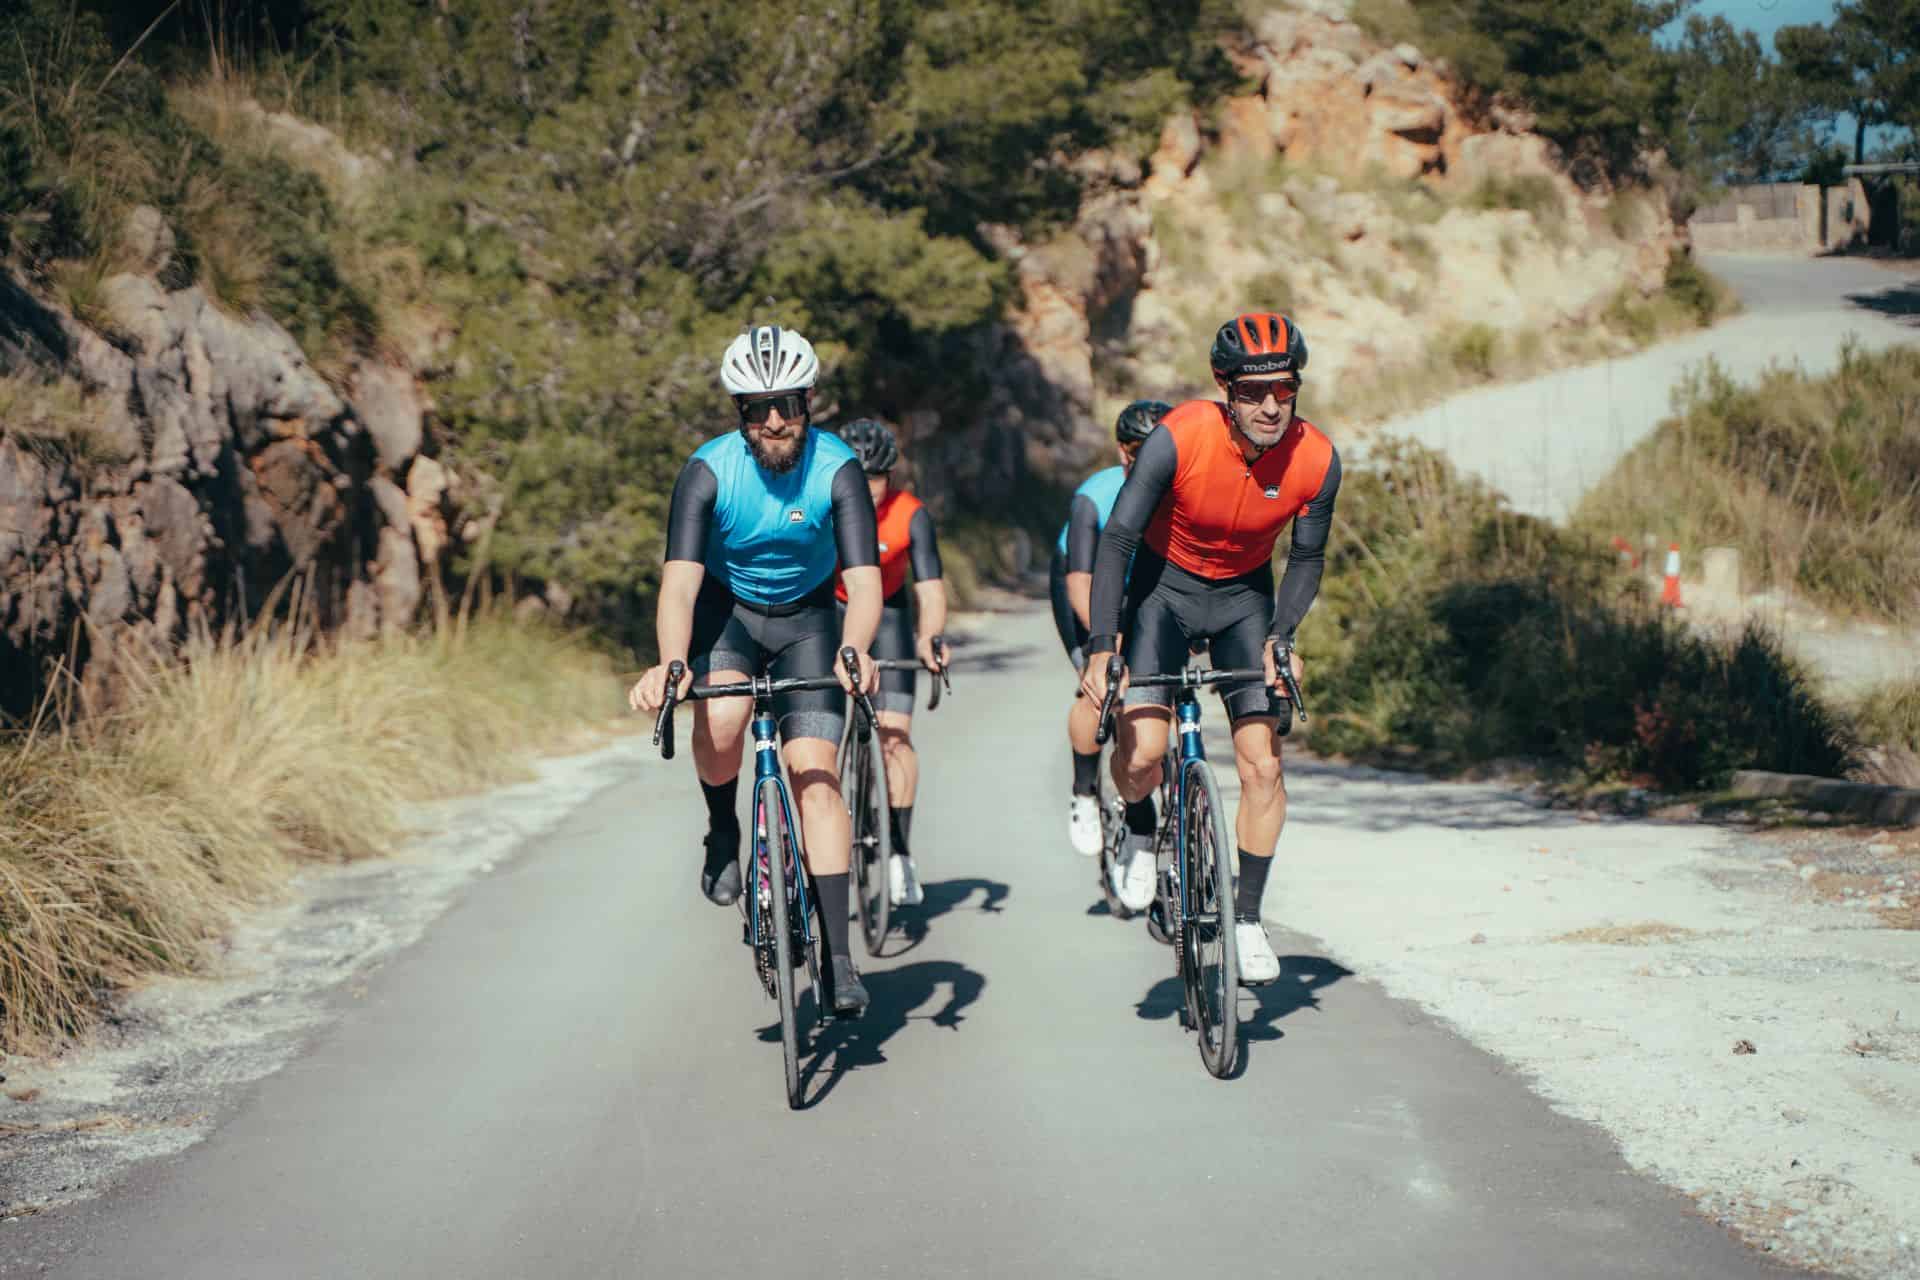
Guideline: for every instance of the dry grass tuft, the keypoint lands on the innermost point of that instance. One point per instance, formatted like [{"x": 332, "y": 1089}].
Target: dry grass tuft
[{"x": 129, "y": 835}]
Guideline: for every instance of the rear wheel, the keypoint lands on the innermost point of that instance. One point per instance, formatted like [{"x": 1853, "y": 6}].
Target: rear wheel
[
  {"x": 781, "y": 856},
  {"x": 863, "y": 783},
  {"x": 1209, "y": 961}
]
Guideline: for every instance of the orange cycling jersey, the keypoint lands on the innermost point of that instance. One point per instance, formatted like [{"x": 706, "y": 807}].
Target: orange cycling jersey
[
  {"x": 1222, "y": 515},
  {"x": 896, "y": 517}
]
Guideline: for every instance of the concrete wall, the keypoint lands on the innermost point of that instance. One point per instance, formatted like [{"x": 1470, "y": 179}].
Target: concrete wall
[{"x": 1783, "y": 217}]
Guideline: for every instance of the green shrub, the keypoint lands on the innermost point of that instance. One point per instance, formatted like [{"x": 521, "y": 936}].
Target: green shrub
[
  {"x": 1453, "y": 632},
  {"x": 1812, "y": 479}
]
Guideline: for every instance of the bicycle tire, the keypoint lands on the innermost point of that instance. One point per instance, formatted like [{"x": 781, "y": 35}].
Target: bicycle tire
[
  {"x": 1209, "y": 960},
  {"x": 863, "y": 784},
  {"x": 779, "y": 840}
]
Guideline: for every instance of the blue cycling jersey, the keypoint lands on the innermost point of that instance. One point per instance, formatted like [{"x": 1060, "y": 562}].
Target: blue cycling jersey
[
  {"x": 1102, "y": 487},
  {"x": 772, "y": 538}
]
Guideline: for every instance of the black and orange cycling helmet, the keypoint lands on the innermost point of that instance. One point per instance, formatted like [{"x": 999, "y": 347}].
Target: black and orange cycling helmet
[{"x": 1258, "y": 342}]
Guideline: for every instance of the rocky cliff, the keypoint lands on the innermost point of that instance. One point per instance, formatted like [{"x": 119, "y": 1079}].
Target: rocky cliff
[
  {"x": 1352, "y": 188},
  {"x": 201, "y": 466}
]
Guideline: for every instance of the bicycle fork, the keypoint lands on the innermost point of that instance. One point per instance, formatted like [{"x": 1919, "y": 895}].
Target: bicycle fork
[{"x": 766, "y": 765}]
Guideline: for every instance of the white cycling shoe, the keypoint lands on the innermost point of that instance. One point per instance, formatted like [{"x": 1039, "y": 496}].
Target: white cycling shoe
[
  {"x": 1083, "y": 825},
  {"x": 1133, "y": 880},
  {"x": 1258, "y": 964},
  {"x": 903, "y": 883}
]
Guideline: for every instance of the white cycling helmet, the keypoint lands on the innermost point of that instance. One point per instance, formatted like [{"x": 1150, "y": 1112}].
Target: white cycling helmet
[{"x": 767, "y": 358}]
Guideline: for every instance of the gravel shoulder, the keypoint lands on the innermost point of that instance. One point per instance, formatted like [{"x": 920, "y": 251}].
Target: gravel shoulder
[{"x": 1740, "y": 1011}]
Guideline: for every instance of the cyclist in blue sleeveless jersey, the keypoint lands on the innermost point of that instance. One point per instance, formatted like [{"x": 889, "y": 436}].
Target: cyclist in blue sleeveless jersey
[
  {"x": 1071, "y": 583},
  {"x": 760, "y": 520}
]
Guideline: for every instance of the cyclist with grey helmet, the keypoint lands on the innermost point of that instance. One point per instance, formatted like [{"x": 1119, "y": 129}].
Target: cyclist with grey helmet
[
  {"x": 1070, "y": 583},
  {"x": 759, "y": 519},
  {"x": 907, "y": 543}
]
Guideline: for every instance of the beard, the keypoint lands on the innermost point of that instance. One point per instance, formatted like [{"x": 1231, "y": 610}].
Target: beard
[
  {"x": 1263, "y": 437},
  {"x": 776, "y": 456}
]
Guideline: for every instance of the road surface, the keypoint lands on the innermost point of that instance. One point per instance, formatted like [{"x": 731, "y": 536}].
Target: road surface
[{"x": 1546, "y": 441}]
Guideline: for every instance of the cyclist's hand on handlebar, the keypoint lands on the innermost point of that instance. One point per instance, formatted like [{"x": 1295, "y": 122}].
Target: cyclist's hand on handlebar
[
  {"x": 1273, "y": 667},
  {"x": 932, "y": 657},
  {"x": 649, "y": 693},
  {"x": 1093, "y": 678},
  {"x": 868, "y": 674}
]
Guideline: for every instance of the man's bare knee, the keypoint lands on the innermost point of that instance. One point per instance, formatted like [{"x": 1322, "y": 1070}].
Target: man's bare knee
[{"x": 1260, "y": 774}]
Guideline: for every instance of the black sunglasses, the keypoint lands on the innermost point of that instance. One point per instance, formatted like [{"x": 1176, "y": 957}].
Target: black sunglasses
[
  {"x": 792, "y": 406},
  {"x": 1257, "y": 392}
]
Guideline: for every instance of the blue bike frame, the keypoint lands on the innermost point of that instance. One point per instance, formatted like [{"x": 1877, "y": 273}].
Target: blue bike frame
[
  {"x": 1191, "y": 751},
  {"x": 766, "y": 765}
]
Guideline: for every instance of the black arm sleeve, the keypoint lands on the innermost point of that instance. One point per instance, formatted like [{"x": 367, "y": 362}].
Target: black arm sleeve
[
  {"x": 923, "y": 548},
  {"x": 854, "y": 529},
  {"x": 690, "y": 517},
  {"x": 1147, "y": 484},
  {"x": 1083, "y": 534},
  {"x": 1306, "y": 557}
]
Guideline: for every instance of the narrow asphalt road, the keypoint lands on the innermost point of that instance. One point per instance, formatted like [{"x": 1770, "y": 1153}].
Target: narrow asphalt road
[
  {"x": 1546, "y": 441},
  {"x": 574, "y": 1074}
]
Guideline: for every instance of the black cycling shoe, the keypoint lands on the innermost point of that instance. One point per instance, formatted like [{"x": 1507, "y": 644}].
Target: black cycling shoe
[
  {"x": 720, "y": 877},
  {"x": 850, "y": 997}
]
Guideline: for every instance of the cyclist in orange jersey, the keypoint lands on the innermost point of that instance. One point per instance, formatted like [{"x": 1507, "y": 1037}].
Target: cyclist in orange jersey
[
  {"x": 1199, "y": 517},
  {"x": 907, "y": 542}
]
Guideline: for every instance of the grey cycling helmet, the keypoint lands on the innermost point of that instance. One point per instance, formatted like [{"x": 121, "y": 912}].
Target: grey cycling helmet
[
  {"x": 1137, "y": 421},
  {"x": 874, "y": 444}
]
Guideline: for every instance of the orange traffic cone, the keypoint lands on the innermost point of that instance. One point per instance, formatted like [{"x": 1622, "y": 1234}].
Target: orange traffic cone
[
  {"x": 1628, "y": 558},
  {"x": 1670, "y": 589}
]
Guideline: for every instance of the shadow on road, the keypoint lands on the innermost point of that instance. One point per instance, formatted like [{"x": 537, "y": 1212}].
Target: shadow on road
[
  {"x": 843, "y": 1045},
  {"x": 944, "y": 896},
  {"x": 1261, "y": 1008},
  {"x": 1901, "y": 301}
]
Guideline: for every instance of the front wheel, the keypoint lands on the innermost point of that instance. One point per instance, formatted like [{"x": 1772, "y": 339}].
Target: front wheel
[
  {"x": 780, "y": 858},
  {"x": 863, "y": 784},
  {"x": 1209, "y": 960}
]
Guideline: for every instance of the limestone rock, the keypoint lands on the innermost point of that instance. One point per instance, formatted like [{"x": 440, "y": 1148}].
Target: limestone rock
[
  {"x": 388, "y": 403},
  {"x": 147, "y": 240},
  {"x": 244, "y": 470}
]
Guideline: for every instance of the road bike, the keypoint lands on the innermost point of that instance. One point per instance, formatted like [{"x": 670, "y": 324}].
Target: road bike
[
  {"x": 863, "y": 783},
  {"x": 1196, "y": 888},
  {"x": 777, "y": 908}
]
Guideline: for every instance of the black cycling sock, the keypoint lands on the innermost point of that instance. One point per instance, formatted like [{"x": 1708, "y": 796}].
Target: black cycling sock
[
  {"x": 902, "y": 825},
  {"x": 1250, "y": 887},
  {"x": 831, "y": 894},
  {"x": 722, "y": 806},
  {"x": 1141, "y": 817},
  {"x": 1086, "y": 773}
]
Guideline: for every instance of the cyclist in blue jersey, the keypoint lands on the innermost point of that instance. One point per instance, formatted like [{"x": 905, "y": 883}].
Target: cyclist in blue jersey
[
  {"x": 760, "y": 520},
  {"x": 1071, "y": 583}
]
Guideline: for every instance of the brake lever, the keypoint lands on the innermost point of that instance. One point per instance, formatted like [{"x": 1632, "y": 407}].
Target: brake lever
[
  {"x": 1103, "y": 729},
  {"x": 850, "y": 660},
  {"x": 942, "y": 681},
  {"x": 1283, "y": 663},
  {"x": 663, "y": 724}
]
